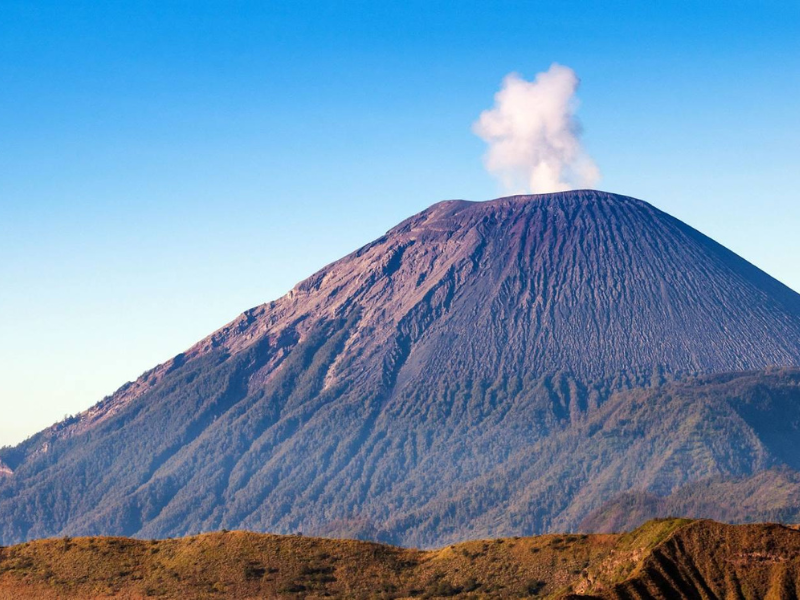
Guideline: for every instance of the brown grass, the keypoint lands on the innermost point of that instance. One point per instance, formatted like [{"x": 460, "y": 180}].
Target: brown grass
[{"x": 249, "y": 565}]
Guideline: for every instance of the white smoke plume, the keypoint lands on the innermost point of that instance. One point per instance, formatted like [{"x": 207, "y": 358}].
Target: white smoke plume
[{"x": 533, "y": 135}]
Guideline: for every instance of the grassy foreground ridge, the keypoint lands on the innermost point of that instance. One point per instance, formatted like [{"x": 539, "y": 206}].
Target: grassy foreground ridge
[{"x": 670, "y": 558}]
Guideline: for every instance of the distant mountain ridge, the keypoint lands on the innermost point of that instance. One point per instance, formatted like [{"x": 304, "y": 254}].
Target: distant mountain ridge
[{"x": 404, "y": 392}]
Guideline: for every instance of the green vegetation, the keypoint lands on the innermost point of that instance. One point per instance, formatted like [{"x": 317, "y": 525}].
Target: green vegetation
[{"x": 199, "y": 452}]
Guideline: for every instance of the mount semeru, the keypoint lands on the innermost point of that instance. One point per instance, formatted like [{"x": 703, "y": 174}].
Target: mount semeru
[{"x": 578, "y": 360}]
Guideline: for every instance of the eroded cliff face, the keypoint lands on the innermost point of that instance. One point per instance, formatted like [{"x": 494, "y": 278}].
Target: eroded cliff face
[
  {"x": 423, "y": 364},
  {"x": 711, "y": 560}
]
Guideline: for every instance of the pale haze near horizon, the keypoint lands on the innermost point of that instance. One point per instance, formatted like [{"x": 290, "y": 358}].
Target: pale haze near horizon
[{"x": 164, "y": 169}]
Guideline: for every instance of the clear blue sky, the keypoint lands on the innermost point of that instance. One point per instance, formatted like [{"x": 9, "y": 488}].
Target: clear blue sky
[{"x": 166, "y": 165}]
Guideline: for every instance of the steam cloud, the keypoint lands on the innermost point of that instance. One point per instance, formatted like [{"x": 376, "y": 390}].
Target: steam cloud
[{"x": 533, "y": 134}]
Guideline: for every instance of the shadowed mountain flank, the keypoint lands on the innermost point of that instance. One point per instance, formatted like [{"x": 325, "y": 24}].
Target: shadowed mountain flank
[{"x": 483, "y": 369}]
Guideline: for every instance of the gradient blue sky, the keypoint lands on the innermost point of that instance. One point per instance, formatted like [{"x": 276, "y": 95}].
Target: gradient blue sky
[{"x": 166, "y": 165}]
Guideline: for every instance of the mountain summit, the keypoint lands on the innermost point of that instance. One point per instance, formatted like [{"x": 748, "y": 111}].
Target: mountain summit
[
  {"x": 484, "y": 368},
  {"x": 586, "y": 282}
]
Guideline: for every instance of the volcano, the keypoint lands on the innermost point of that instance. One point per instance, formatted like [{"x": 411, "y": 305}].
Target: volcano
[{"x": 496, "y": 368}]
